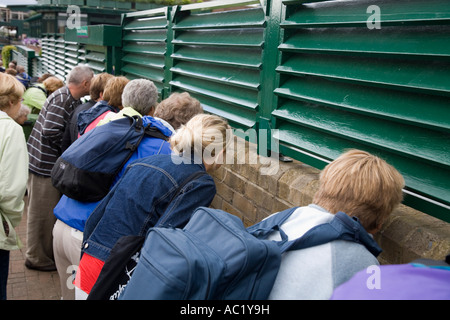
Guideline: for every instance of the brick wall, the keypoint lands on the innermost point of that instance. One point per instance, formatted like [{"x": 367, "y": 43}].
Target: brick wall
[{"x": 243, "y": 191}]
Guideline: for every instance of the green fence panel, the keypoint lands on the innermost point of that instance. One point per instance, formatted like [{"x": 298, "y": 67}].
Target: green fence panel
[
  {"x": 144, "y": 45},
  {"x": 327, "y": 75},
  {"x": 217, "y": 57},
  {"x": 343, "y": 83}
]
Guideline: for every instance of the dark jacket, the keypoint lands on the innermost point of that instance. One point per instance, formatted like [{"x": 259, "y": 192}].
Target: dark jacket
[
  {"x": 141, "y": 199},
  {"x": 86, "y": 117}
]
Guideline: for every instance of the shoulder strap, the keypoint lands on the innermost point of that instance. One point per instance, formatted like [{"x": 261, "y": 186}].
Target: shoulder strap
[
  {"x": 273, "y": 223},
  {"x": 154, "y": 132},
  {"x": 341, "y": 227},
  {"x": 39, "y": 87},
  {"x": 136, "y": 122},
  {"x": 190, "y": 178}
]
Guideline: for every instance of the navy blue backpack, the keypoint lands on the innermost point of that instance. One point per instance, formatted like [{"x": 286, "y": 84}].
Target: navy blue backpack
[
  {"x": 86, "y": 170},
  {"x": 214, "y": 257}
]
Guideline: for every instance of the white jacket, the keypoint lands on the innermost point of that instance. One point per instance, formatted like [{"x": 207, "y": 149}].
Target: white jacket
[
  {"x": 313, "y": 273},
  {"x": 13, "y": 179}
]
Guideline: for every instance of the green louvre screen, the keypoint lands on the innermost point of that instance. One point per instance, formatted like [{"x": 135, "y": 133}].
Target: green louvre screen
[
  {"x": 344, "y": 83},
  {"x": 327, "y": 75}
]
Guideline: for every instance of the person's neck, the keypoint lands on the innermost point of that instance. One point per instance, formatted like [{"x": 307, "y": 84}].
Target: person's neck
[{"x": 75, "y": 91}]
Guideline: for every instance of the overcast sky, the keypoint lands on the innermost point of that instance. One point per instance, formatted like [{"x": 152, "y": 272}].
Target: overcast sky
[{"x": 4, "y": 3}]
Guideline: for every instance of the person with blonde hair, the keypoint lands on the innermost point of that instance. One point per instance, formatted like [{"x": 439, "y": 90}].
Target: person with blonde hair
[
  {"x": 36, "y": 94},
  {"x": 365, "y": 188},
  {"x": 13, "y": 172},
  {"x": 153, "y": 191}
]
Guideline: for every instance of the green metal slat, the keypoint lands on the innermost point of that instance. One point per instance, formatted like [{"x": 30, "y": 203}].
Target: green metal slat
[
  {"x": 401, "y": 13},
  {"x": 149, "y": 61},
  {"x": 240, "y": 77},
  {"x": 222, "y": 37},
  {"x": 96, "y": 56},
  {"x": 242, "y": 98},
  {"x": 238, "y": 117},
  {"x": 145, "y": 72},
  {"x": 429, "y": 111},
  {"x": 151, "y": 49},
  {"x": 230, "y": 56},
  {"x": 413, "y": 42},
  {"x": 410, "y": 75},
  {"x": 247, "y": 18},
  {"x": 159, "y": 22},
  {"x": 96, "y": 66},
  {"x": 427, "y": 145},
  {"x": 147, "y": 36}
]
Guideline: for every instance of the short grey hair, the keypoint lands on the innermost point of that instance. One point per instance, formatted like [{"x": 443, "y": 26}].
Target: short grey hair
[
  {"x": 79, "y": 74},
  {"x": 141, "y": 95}
]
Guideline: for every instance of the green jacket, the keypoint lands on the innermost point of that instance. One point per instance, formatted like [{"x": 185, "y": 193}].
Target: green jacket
[
  {"x": 13, "y": 180},
  {"x": 35, "y": 98}
]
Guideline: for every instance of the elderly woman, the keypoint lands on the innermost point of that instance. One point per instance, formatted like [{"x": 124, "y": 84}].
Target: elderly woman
[
  {"x": 139, "y": 98},
  {"x": 13, "y": 172}
]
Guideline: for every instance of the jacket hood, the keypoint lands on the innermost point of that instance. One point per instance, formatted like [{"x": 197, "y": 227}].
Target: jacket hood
[{"x": 148, "y": 120}]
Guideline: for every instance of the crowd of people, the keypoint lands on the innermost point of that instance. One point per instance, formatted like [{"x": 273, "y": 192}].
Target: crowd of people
[{"x": 63, "y": 232}]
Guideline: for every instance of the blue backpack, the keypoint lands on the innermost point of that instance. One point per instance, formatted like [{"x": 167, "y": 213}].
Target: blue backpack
[
  {"x": 86, "y": 170},
  {"x": 214, "y": 257}
]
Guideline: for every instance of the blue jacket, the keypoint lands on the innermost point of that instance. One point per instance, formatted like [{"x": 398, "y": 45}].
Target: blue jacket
[
  {"x": 141, "y": 199},
  {"x": 75, "y": 213}
]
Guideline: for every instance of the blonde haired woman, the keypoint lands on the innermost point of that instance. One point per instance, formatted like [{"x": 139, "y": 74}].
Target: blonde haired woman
[
  {"x": 362, "y": 186},
  {"x": 155, "y": 190},
  {"x": 13, "y": 172}
]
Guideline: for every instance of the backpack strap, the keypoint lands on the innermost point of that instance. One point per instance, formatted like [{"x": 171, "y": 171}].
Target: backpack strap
[
  {"x": 273, "y": 223},
  {"x": 154, "y": 132},
  {"x": 137, "y": 123},
  {"x": 39, "y": 87},
  {"x": 341, "y": 227},
  {"x": 190, "y": 178}
]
